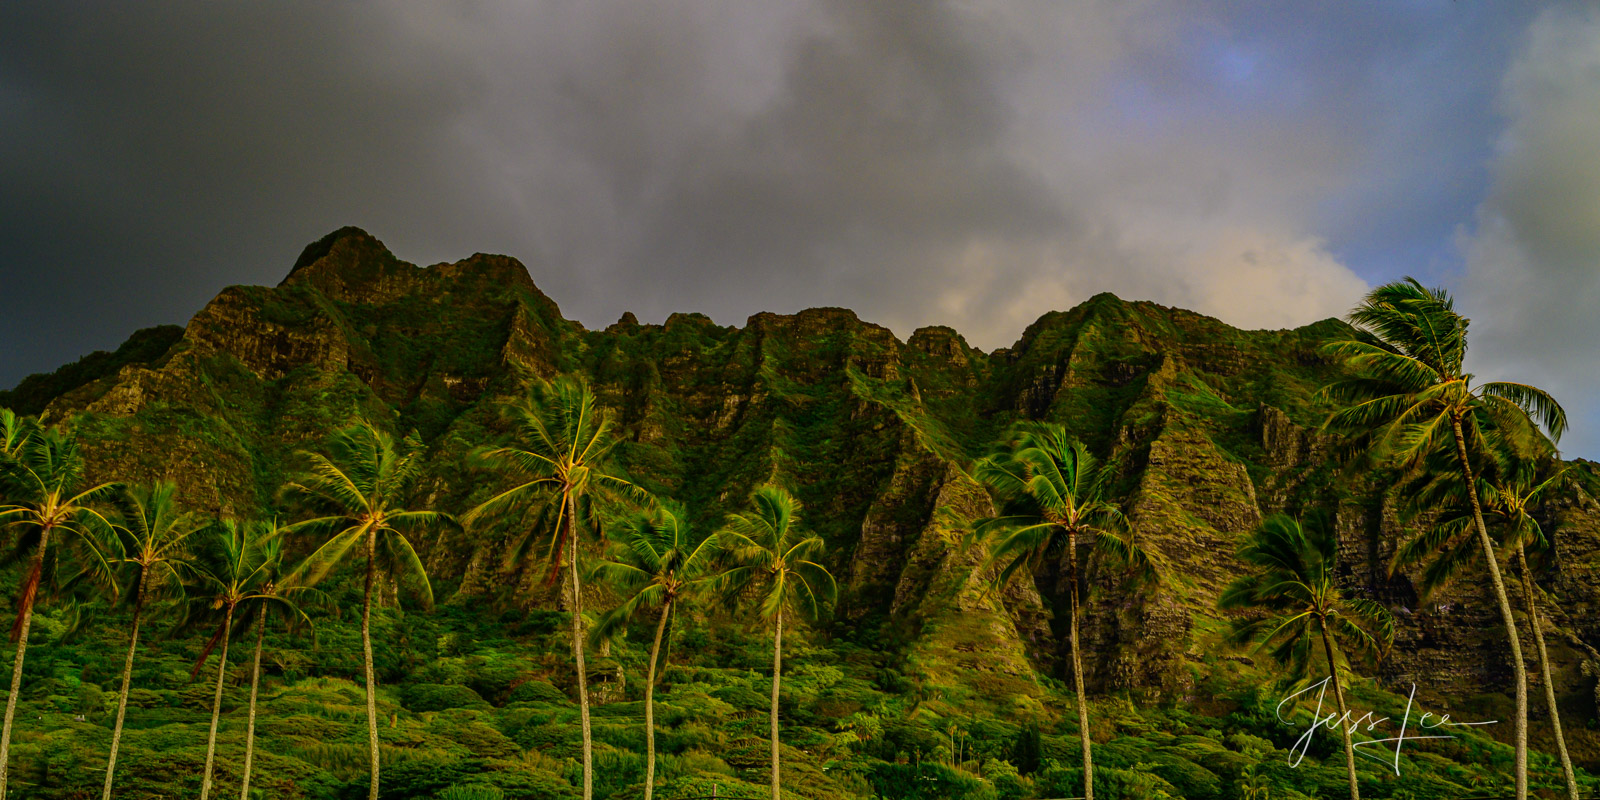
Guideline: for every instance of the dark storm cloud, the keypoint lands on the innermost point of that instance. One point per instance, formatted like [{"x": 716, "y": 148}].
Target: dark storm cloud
[
  {"x": 883, "y": 150},
  {"x": 151, "y": 157},
  {"x": 1533, "y": 256},
  {"x": 963, "y": 163}
]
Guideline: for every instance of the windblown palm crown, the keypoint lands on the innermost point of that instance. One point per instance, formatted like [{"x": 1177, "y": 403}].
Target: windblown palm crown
[
  {"x": 238, "y": 567},
  {"x": 41, "y": 487},
  {"x": 1293, "y": 586},
  {"x": 154, "y": 540},
  {"x": 655, "y": 560},
  {"x": 776, "y": 561},
  {"x": 1056, "y": 486},
  {"x": 558, "y": 464},
  {"x": 1407, "y": 384},
  {"x": 357, "y": 491},
  {"x": 1508, "y": 491}
]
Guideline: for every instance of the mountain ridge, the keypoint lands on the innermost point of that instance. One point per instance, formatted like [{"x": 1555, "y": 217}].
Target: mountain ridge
[{"x": 1207, "y": 427}]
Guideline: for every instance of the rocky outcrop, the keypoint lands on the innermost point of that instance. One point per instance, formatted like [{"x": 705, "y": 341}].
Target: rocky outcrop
[{"x": 240, "y": 323}]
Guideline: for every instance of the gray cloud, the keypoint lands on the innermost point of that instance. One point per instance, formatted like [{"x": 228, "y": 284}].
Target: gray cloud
[
  {"x": 151, "y": 156},
  {"x": 965, "y": 163},
  {"x": 1533, "y": 257}
]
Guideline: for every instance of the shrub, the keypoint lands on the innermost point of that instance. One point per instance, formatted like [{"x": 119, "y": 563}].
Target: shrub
[
  {"x": 1008, "y": 784},
  {"x": 483, "y": 740},
  {"x": 1026, "y": 750},
  {"x": 742, "y": 696},
  {"x": 1192, "y": 780},
  {"x": 927, "y": 781},
  {"x": 471, "y": 791},
  {"x": 1109, "y": 784},
  {"x": 440, "y": 697},
  {"x": 551, "y": 738},
  {"x": 1243, "y": 742},
  {"x": 537, "y": 692}
]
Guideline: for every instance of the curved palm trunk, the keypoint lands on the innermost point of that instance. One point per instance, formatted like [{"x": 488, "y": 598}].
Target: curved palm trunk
[
  {"x": 1077, "y": 667},
  {"x": 577, "y": 648},
  {"x": 650, "y": 707},
  {"x": 122, "y": 701},
  {"x": 366, "y": 653},
  {"x": 250, "y": 727},
  {"x": 1544, "y": 673},
  {"x": 216, "y": 705},
  {"x": 30, "y": 591},
  {"x": 777, "y": 670},
  {"x": 1344, "y": 716},
  {"x": 1518, "y": 668}
]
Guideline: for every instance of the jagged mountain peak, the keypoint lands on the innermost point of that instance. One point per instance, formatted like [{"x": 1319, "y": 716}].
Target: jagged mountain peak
[
  {"x": 352, "y": 265},
  {"x": 348, "y": 238},
  {"x": 942, "y": 341}
]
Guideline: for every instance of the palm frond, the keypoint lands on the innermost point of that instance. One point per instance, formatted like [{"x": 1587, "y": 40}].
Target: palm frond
[
  {"x": 406, "y": 567},
  {"x": 1536, "y": 402},
  {"x": 773, "y": 559},
  {"x": 316, "y": 567}
]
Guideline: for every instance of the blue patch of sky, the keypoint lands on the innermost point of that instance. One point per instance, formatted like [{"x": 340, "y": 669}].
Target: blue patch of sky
[
  {"x": 1203, "y": 71},
  {"x": 1431, "y": 150},
  {"x": 1412, "y": 91}
]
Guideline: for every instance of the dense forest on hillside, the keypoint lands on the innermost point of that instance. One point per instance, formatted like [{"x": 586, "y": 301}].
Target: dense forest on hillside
[{"x": 931, "y": 672}]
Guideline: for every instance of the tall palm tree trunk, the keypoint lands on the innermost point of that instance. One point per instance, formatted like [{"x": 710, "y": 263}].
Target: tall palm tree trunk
[
  {"x": 1077, "y": 667},
  {"x": 366, "y": 653},
  {"x": 777, "y": 671},
  {"x": 30, "y": 591},
  {"x": 1344, "y": 716},
  {"x": 1544, "y": 673},
  {"x": 650, "y": 706},
  {"x": 122, "y": 700},
  {"x": 216, "y": 705},
  {"x": 577, "y": 648},
  {"x": 250, "y": 727},
  {"x": 1518, "y": 668}
]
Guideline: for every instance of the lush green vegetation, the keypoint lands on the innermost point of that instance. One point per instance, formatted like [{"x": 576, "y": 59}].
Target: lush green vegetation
[
  {"x": 1302, "y": 607},
  {"x": 657, "y": 486},
  {"x": 471, "y": 706},
  {"x": 143, "y": 347},
  {"x": 1408, "y": 399},
  {"x": 1057, "y": 487}
]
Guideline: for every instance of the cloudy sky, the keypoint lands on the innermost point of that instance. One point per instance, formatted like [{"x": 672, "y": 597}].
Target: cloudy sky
[{"x": 973, "y": 164}]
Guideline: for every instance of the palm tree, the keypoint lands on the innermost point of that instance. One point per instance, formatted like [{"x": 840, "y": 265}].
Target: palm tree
[
  {"x": 153, "y": 535},
  {"x": 13, "y": 430},
  {"x": 357, "y": 491},
  {"x": 48, "y": 508},
  {"x": 1057, "y": 490},
  {"x": 274, "y": 598},
  {"x": 1507, "y": 493},
  {"x": 657, "y": 562},
  {"x": 559, "y": 466},
  {"x": 238, "y": 566},
  {"x": 1408, "y": 397},
  {"x": 1294, "y": 587},
  {"x": 777, "y": 564}
]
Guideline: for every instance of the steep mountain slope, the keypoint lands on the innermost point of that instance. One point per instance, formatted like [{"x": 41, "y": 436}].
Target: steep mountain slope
[{"x": 1208, "y": 428}]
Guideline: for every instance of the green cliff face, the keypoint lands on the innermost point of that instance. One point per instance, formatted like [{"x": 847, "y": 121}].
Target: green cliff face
[{"x": 1207, "y": 427}]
